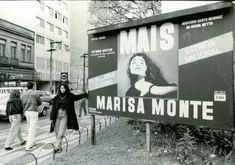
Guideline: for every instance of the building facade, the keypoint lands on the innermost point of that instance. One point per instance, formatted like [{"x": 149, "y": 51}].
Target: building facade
[
  {"x": 50, "y": 20},
  {"x": 16, "y": 55}
]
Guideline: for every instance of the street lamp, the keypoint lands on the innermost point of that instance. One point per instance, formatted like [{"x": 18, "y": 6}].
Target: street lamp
[{"x": 51, "y": 50}]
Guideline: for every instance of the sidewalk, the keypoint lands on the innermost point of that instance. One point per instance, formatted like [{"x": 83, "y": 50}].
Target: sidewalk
[{"x": 44, "y": 150}]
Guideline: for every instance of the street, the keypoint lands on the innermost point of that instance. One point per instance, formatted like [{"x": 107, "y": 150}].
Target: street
[{"x": 5, "y": 126}]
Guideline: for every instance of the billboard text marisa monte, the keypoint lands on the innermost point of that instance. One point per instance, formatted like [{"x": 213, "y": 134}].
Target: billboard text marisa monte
[{"x": 170, "y": 69}]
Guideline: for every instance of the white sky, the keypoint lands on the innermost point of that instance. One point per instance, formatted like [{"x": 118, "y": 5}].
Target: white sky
[{"x": 170, "y": 6}]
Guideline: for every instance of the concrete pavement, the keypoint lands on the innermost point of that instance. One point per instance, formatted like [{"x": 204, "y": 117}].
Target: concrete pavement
[{"x": 44, "y": 151}]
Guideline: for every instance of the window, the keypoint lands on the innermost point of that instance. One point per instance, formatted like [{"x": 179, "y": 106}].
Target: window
[
  {"x": 42, "y": 6},
  {"x": 50, "y": 27},
  {"x": 58, "y": 66},
  {"x": 66, "y": 48},
  {"x": 13, "y": 49},
  {"x": 65, "y": 20},
  {"x": 58, "y": 16},
  {"x": 59, "y": 30},
  {"x": 29, "y": 53},
  {"x": 59, "y": 2},
  {"x": 40, "y": 63},
  {"x": 59, "y": 45},
  {"x": 23, "y": 47},
  {"x": 66, "y": 6},
  {"x": 40, "y": 22},
  {"x": 40, "y": 39},
  {"x": 2, "y": 47},
  {"x": 66, "y": 34},
  {"x": 65, "y": 67},
  {"x": 50, "y": 11}
]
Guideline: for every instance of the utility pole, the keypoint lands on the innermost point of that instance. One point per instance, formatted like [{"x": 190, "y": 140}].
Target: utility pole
[
  {"x": 77, "y": 80},
  {"x": 93, "y": 135},
  {"x": 84, "y": 56},
  {"x": 51, "y": 60}
]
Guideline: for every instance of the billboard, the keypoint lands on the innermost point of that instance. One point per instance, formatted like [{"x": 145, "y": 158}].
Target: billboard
[{"x": 176, "y": 69}]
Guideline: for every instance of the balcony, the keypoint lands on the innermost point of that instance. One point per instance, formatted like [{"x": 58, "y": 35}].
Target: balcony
[
  {"x": 4, "y": 61},
  {"x": 26, "y": 65},
  {"x": 14, "y": 62}
]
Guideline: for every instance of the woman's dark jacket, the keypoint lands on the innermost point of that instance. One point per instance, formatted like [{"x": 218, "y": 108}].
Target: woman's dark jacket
[
  {"x": 72, "y": 122},
  {"x": 14, "y": 107}
]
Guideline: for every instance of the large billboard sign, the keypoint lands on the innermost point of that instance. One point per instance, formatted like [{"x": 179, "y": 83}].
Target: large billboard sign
[{"x": 176, "y": 69}]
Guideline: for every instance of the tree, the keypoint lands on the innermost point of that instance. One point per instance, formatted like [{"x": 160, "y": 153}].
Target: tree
[{"x": 110, "y": 12}]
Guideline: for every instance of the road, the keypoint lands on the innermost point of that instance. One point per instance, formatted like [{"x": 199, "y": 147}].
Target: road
[
  {"x": 5, "y": 125},
  {"x": 43, "y": 137}
]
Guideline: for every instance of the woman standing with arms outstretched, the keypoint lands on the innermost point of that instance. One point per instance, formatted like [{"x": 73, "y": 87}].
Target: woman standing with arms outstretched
[
  {"x": 63, "y": 113},
  {"x": 14, "y": 110}
]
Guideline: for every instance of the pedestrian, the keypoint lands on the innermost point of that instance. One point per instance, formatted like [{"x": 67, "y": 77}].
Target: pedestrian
[
  {"x": 14, "y": 110},
  {"x": 63, "y": 113},
  {"x": 82, "y": 107},
  {"x": 31, "y": 100}
]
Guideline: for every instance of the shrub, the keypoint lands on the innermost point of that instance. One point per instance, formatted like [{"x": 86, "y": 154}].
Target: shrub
[
  {"x": 185, "y": 147},
  {"x": 221, "y": 144}
]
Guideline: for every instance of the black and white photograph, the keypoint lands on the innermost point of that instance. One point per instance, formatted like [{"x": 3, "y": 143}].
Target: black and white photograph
[{"x": 117, "y": 82}]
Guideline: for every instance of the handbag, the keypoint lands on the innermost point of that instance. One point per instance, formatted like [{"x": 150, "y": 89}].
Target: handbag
[
  {"x": 10, "y": 109},
  {"x": 13, "y": 110},
  {"x": 52, "y": 127}
]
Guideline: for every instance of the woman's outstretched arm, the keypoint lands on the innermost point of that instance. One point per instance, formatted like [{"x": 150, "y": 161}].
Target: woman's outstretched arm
[
  {"x": 145, "y": 87},
  {"x": 161, "y": 90},
  {"x": 80, "y": 96}
]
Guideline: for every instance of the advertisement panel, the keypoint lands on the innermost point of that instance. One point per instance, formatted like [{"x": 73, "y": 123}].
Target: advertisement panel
[
  {"x": 64, "y": 76},
  {"x": 175, "y": 70}
]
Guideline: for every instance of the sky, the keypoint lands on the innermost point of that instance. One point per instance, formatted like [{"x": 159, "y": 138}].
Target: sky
[{"x": 170, "y": 6}]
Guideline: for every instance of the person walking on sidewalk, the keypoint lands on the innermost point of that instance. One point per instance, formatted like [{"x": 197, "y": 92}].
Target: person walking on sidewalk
[
  {"x": 63, "y": 113},
  {"x": 14, "y": 110},
  {"x": 82, "y": 106},
  {"x": 31, "y": 100}
]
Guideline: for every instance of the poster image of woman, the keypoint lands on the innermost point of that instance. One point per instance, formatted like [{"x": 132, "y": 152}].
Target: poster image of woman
[{"x": 146, "y": 79}]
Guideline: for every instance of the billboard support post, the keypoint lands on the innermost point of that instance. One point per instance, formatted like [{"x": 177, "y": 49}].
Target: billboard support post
[
  {"x": 93, "y": 137},
  {"x": 148, "y": 137}
]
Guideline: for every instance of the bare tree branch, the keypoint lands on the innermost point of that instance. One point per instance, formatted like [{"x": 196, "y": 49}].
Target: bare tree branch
[{"x": 104, "y": 13}]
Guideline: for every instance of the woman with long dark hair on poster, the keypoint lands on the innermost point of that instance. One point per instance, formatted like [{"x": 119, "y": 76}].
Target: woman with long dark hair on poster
[
  {"x": 146, "y": 79},
  {"x": 63, "y": 113}
]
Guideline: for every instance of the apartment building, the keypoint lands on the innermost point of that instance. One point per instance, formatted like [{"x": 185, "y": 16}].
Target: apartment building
[{"x": 50, "y": 22}]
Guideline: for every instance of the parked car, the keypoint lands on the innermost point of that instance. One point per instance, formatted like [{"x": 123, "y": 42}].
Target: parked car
[
  {"x": 43, "y": 109},
  {"x": 7, "y": 90},
  {"x": 45, "y": 96}
]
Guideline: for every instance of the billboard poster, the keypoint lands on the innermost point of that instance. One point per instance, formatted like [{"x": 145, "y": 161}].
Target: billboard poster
[
  {"x": 64, "y": 76},
  {"x": 175, "y": 70}
]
